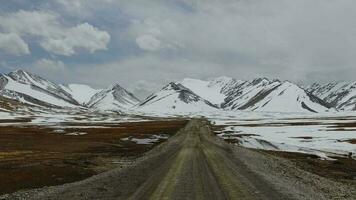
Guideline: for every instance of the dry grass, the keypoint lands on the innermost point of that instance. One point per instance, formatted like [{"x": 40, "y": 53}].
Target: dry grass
[{"x": 34, "y": 156}]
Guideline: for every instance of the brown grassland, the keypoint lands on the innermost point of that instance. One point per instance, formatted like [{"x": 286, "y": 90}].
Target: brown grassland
[{"x": 36, "y": 156}]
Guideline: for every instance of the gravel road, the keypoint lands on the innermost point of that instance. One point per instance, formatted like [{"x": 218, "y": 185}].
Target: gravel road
[{"x": 195, "y": 164}]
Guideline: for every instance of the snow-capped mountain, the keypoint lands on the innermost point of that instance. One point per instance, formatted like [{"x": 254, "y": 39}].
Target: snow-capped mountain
[
  {"x": 262, "y": 94},
  {"x": 176, "y": 98},
  {"x": 80, "y": 92},
  {"x": 189, "y": 95},
  {"x": 113, "y": 98},
  {"x": 286, "y": 97},
  {"x": 259, "y": 94},
  {"x": 245, "y": 94},
  {"x": 215, "y": 91},
  {"x": 32, "y": 89},
  {"x": 341, "y": 95}
]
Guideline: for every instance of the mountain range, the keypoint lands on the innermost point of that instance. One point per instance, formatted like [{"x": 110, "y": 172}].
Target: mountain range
[
  {"x": 31, "y": 89},
  {"x": 340, "y": 95},
  {"x": 188, "y": 95}
]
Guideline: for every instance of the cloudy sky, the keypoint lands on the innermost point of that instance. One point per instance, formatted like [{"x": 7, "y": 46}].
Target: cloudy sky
[{"x": 144, "y": 44}]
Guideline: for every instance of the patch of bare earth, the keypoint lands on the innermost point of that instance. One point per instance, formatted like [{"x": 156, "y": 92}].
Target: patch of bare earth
[
  {"x": 346, "y": 125},
  {"x": 303, "y": 137},
  {"x": 351, "y": 141}
]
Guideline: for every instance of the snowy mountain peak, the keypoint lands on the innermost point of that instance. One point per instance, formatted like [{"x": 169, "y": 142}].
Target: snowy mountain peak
[
  {"x": 114, "y": 97},
  {"x": 175, "y": 97},
  {"x": 175, "y": 86},
  {"x": 185, "y": 94},
  {"x": 20, "y": 72},
  {"x": 263, "y": 81},
  {"x": 341, "y": 95},
  {"x": 116, "y": 86},
  {"x": 24, "y": 77},
  {"x": 121, "y": 93},
  {"x": 32, "y": 89},
  {"x": 213, "y": 91},
  {"x": 286, "y": 97}
]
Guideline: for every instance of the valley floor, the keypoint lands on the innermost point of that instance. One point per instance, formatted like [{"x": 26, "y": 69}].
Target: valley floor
[{"x": 195, "y": 164}]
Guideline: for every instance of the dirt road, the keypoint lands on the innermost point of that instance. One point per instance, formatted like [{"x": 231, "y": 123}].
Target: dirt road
[
  {"x": 195, "y": 164},
  {"x": 204, "y": 169}
]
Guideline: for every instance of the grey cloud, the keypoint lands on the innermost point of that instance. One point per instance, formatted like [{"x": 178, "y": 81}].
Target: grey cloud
[
  {"x": 55, "y": 37},
  {"x": 164, "y": 40},
  {"x": 52, "y": 69},
  {"x": 252, "y": 36},
  {"x": 148, "y": 42},
  {"x": 13, "y": 44},
  {"x": 83, "y": 36}
]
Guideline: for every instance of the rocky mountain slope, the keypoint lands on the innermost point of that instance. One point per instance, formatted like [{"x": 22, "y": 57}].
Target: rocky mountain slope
[
  {"x": 286, "y": 97},
  {"x": 340, "y": 95},
  {"x": 259, "y": 94},
  {"x": 113, "y": 98},
  {"x": 176, "y": 98},
  {"x": 31, "y": 89},
  {"x": 243, "y": 95}
]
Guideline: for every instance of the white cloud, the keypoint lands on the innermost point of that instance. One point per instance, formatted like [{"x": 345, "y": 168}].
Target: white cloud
[
  {"x": 49, "y": 65},
  {"x": 83, "y": 36},
  {"x": 74, "y": 4},
  {"x": 142, "y": 88},
  {"x": 13, "y": 44},
  {"x": 84, "y": 9},
  {"x": 151, "y": 68},
  {"x": 54, "y": 70},
  {"x": 148, "y": 42},
  {"x": 54, "y": 36},
  {"x": 152, "y": 34}
]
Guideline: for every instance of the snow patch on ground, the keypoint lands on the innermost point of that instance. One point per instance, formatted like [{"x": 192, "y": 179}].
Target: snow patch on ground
[
  {"x": 76, "y": 133},
  {"x": 312, "y": 134},
  {"x": 6, "y": 115},
  {"x": 152, "y": 139}
]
